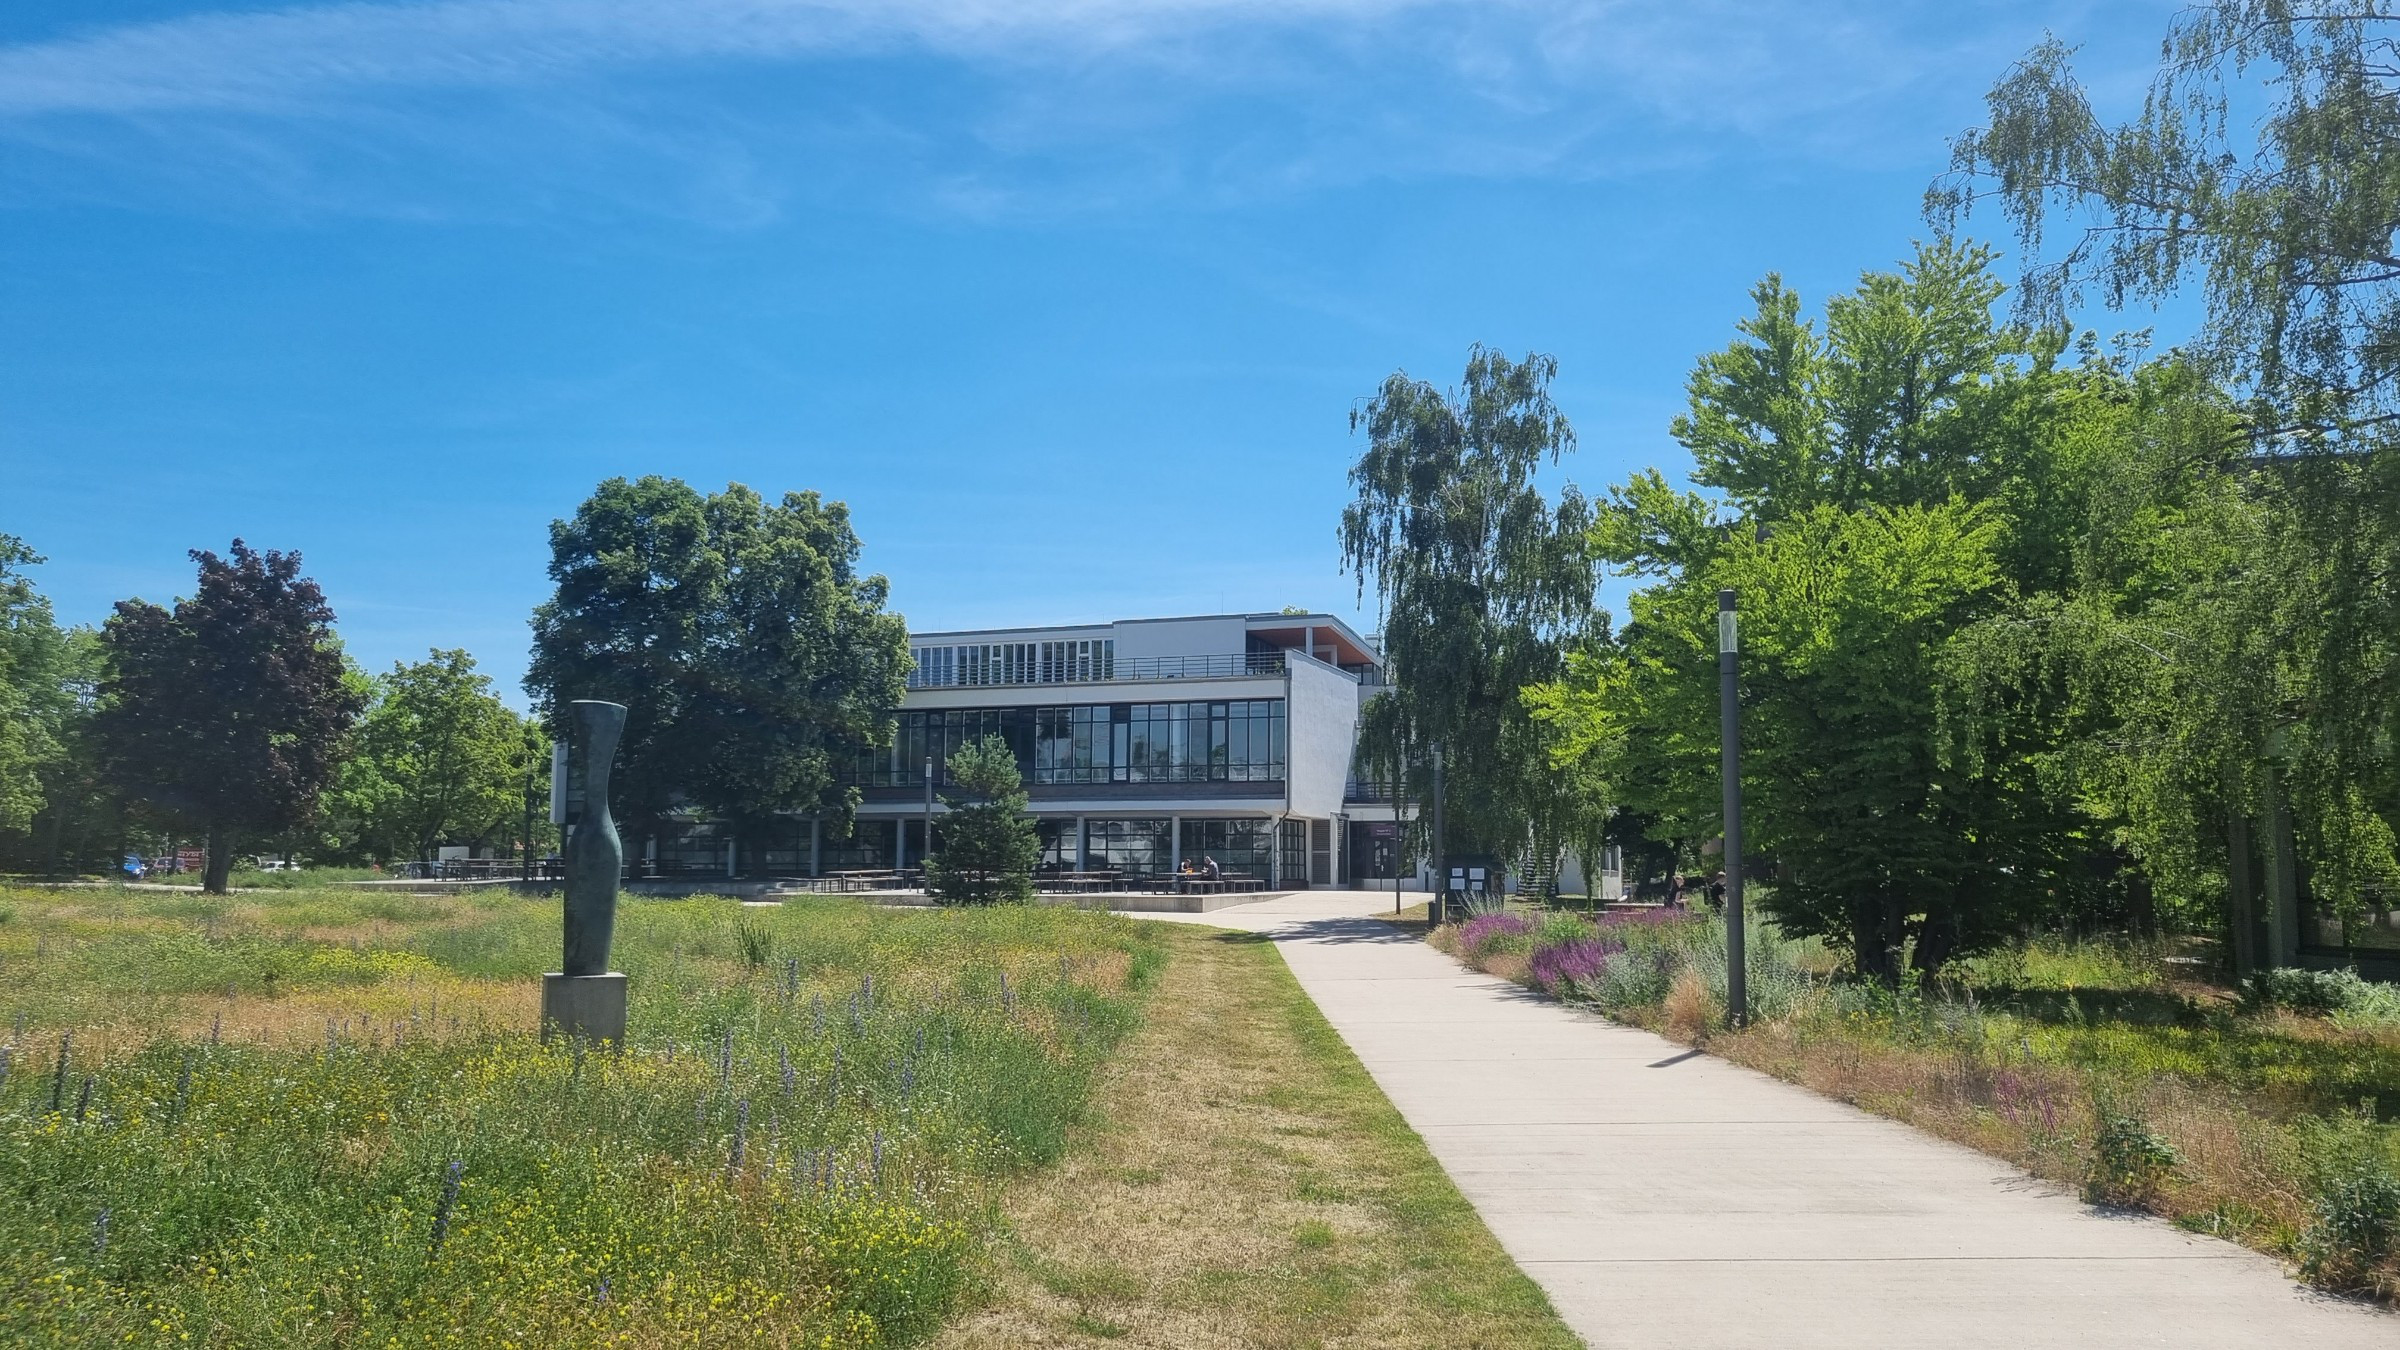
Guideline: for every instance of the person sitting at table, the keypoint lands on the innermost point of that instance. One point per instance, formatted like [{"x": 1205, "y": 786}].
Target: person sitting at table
[
  {"x": 1209, "y": 868},
  {"x": 1187, "y": 868}
]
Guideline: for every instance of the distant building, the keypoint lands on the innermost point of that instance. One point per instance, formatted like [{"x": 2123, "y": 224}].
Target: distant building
[{"x": 1143, "y": 742}]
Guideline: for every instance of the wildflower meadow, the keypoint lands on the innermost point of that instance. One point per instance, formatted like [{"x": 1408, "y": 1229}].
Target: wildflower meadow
[{"x": 320, "y": 1118}]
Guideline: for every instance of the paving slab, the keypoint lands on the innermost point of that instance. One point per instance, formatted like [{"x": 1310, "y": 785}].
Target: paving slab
[{"x": 1666, "y": 1198}]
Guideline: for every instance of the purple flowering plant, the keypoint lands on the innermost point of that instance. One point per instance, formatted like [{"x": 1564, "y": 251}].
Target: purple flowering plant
[
  {"x": 1487, "y": 929},
  {"x": 1559, "y": 966}
]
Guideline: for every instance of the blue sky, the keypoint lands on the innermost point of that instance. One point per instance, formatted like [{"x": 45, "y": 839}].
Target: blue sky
[{"x": 1069, "y": 300}]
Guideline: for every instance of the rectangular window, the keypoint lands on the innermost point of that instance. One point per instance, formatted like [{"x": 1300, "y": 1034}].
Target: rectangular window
[
  {"x": 1241, "y": 847},
  {"x": 1138, "y": 847}
]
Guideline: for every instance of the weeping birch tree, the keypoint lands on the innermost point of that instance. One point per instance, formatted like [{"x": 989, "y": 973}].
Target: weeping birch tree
[{"x": 1482, "y": 582}]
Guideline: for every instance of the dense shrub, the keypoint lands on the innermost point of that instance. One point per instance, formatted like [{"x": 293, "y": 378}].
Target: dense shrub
[
  {"x": 2129, "y": 1159},
  {"x": 2340, "y": 994},
  {"x": 2353, "y": 1220}
]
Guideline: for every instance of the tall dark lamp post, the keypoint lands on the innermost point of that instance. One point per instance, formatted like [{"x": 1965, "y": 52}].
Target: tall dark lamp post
[
  {"x": 1737, "y": 968},
  {"x": 1439, "y": 909},
  {"x": 926, "y": 853}
]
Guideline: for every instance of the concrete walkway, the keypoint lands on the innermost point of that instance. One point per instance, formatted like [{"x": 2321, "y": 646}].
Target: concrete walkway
[{"x": 1665, "y": 1198}]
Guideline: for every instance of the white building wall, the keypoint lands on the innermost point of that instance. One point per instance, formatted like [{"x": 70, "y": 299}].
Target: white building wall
[
  {"x": 1323, "y": 716},
  {"x": 1212, "y": 636}
]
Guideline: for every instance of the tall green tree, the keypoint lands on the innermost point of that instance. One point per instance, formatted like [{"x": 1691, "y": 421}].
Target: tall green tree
[
  {"x": 228, "y": 713},
  {"x": 1481, "y": 580},
  {"x": 438, "y": 757},
  {"x": 35, "y": 696},
  {"x": 1870, "y": 491},
  {"x": 753, "y": 656},
  {"x": 2260, "y": 172},
  {"x": 2264, "y": 164},
  {"x": 989, "y": 845}
]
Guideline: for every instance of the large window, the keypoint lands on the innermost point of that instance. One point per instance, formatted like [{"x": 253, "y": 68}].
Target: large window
[
  {"x": 869, "y": 844},
  {"x": 1240, "y": 741},
  {"x": 1135, "y": 846},
  {"x": 1243, "y": 846},
  {"x": 1058, "y": 842},
  {"x": 1226, "y": 741}
]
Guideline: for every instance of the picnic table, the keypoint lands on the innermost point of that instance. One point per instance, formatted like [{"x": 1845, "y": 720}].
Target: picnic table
[
  {"x": 1079, "y": 883},
  {"x": 870, "y": 879},
  {"x": 1195, "y": 883}
]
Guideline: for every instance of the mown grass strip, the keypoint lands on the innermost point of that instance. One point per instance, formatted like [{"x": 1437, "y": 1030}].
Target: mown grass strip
[{"x": 1245, "y": 1183}]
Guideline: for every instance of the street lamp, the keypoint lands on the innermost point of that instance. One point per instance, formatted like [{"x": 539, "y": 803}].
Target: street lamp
[
  {"x": 1438, "y": 909},
  {"x": 1737, "y": 970}
]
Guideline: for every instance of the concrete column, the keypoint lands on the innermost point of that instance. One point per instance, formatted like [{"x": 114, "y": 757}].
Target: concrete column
[
  {"x": 1274, "y": 853},
  {"x": 816, "y": 847},
  {"x": 1083, "y": 845},
  {"x": 899, "y": 844},
  {"x": 733, "y": 844},
  {"x": 1174, "y": 843}
]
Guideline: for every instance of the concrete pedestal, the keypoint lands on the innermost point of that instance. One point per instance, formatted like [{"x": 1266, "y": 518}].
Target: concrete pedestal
[{"x": 589, "y": 1006}]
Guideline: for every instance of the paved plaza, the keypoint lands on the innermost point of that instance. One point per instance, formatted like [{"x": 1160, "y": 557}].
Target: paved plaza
[{"x": 1664, "y": 1197}]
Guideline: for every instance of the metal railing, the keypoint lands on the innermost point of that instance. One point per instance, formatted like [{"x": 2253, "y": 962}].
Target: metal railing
[{"x": 1215, "y": 666}]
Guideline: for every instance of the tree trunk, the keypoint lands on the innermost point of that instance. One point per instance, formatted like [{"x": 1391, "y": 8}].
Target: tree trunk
[
  {"x": 1870, "y": 949},
  {"x": 2283, "y": 878},
  {"x": 1936, "y": 941},
  {"x": 58, "y": 827},
  {"x": 220, "y": 861},
  {"x": 2241, "y": 895},
  {"x": 2141, "y": 900}
]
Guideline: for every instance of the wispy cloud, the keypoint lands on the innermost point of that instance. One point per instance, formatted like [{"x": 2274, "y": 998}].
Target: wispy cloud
[
  {"x": 281, "y": 59},
  {"x": 991, "y": 107}
]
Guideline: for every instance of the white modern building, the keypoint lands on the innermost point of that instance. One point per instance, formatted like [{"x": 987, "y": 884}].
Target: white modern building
[{"x": 1143, "y": 742}]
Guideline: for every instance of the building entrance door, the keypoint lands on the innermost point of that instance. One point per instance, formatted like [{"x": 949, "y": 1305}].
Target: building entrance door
[{"x": 1374, "y": 850}]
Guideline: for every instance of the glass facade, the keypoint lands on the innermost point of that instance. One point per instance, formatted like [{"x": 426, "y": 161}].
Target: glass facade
[
  {"x": 1224, "y": 741},
  {"x": 1076, "y": 660},
  {"x": 1057, "y": 838},
  {"x": 1243, "y": 846},
  {"x": 1132, "y": 846},
  {"x": 870, "y": 844},
  {"x": 686, "y": 849}
]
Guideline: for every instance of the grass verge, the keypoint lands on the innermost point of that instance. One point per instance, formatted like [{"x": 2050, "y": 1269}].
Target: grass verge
[{"x": 1244, "y": 1183}]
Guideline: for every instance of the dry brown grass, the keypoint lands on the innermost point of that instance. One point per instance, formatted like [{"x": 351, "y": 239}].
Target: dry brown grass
[
  {"x": 1516, "y": 966},
  {"x": 1688, "y": 1010},
  {"x": 2232, "y": 1180},
  {"x": 1248, "y": 1186}
]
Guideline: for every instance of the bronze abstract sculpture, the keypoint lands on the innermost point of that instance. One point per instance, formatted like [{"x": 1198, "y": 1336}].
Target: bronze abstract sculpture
[{"x": 584, "y": 998}]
